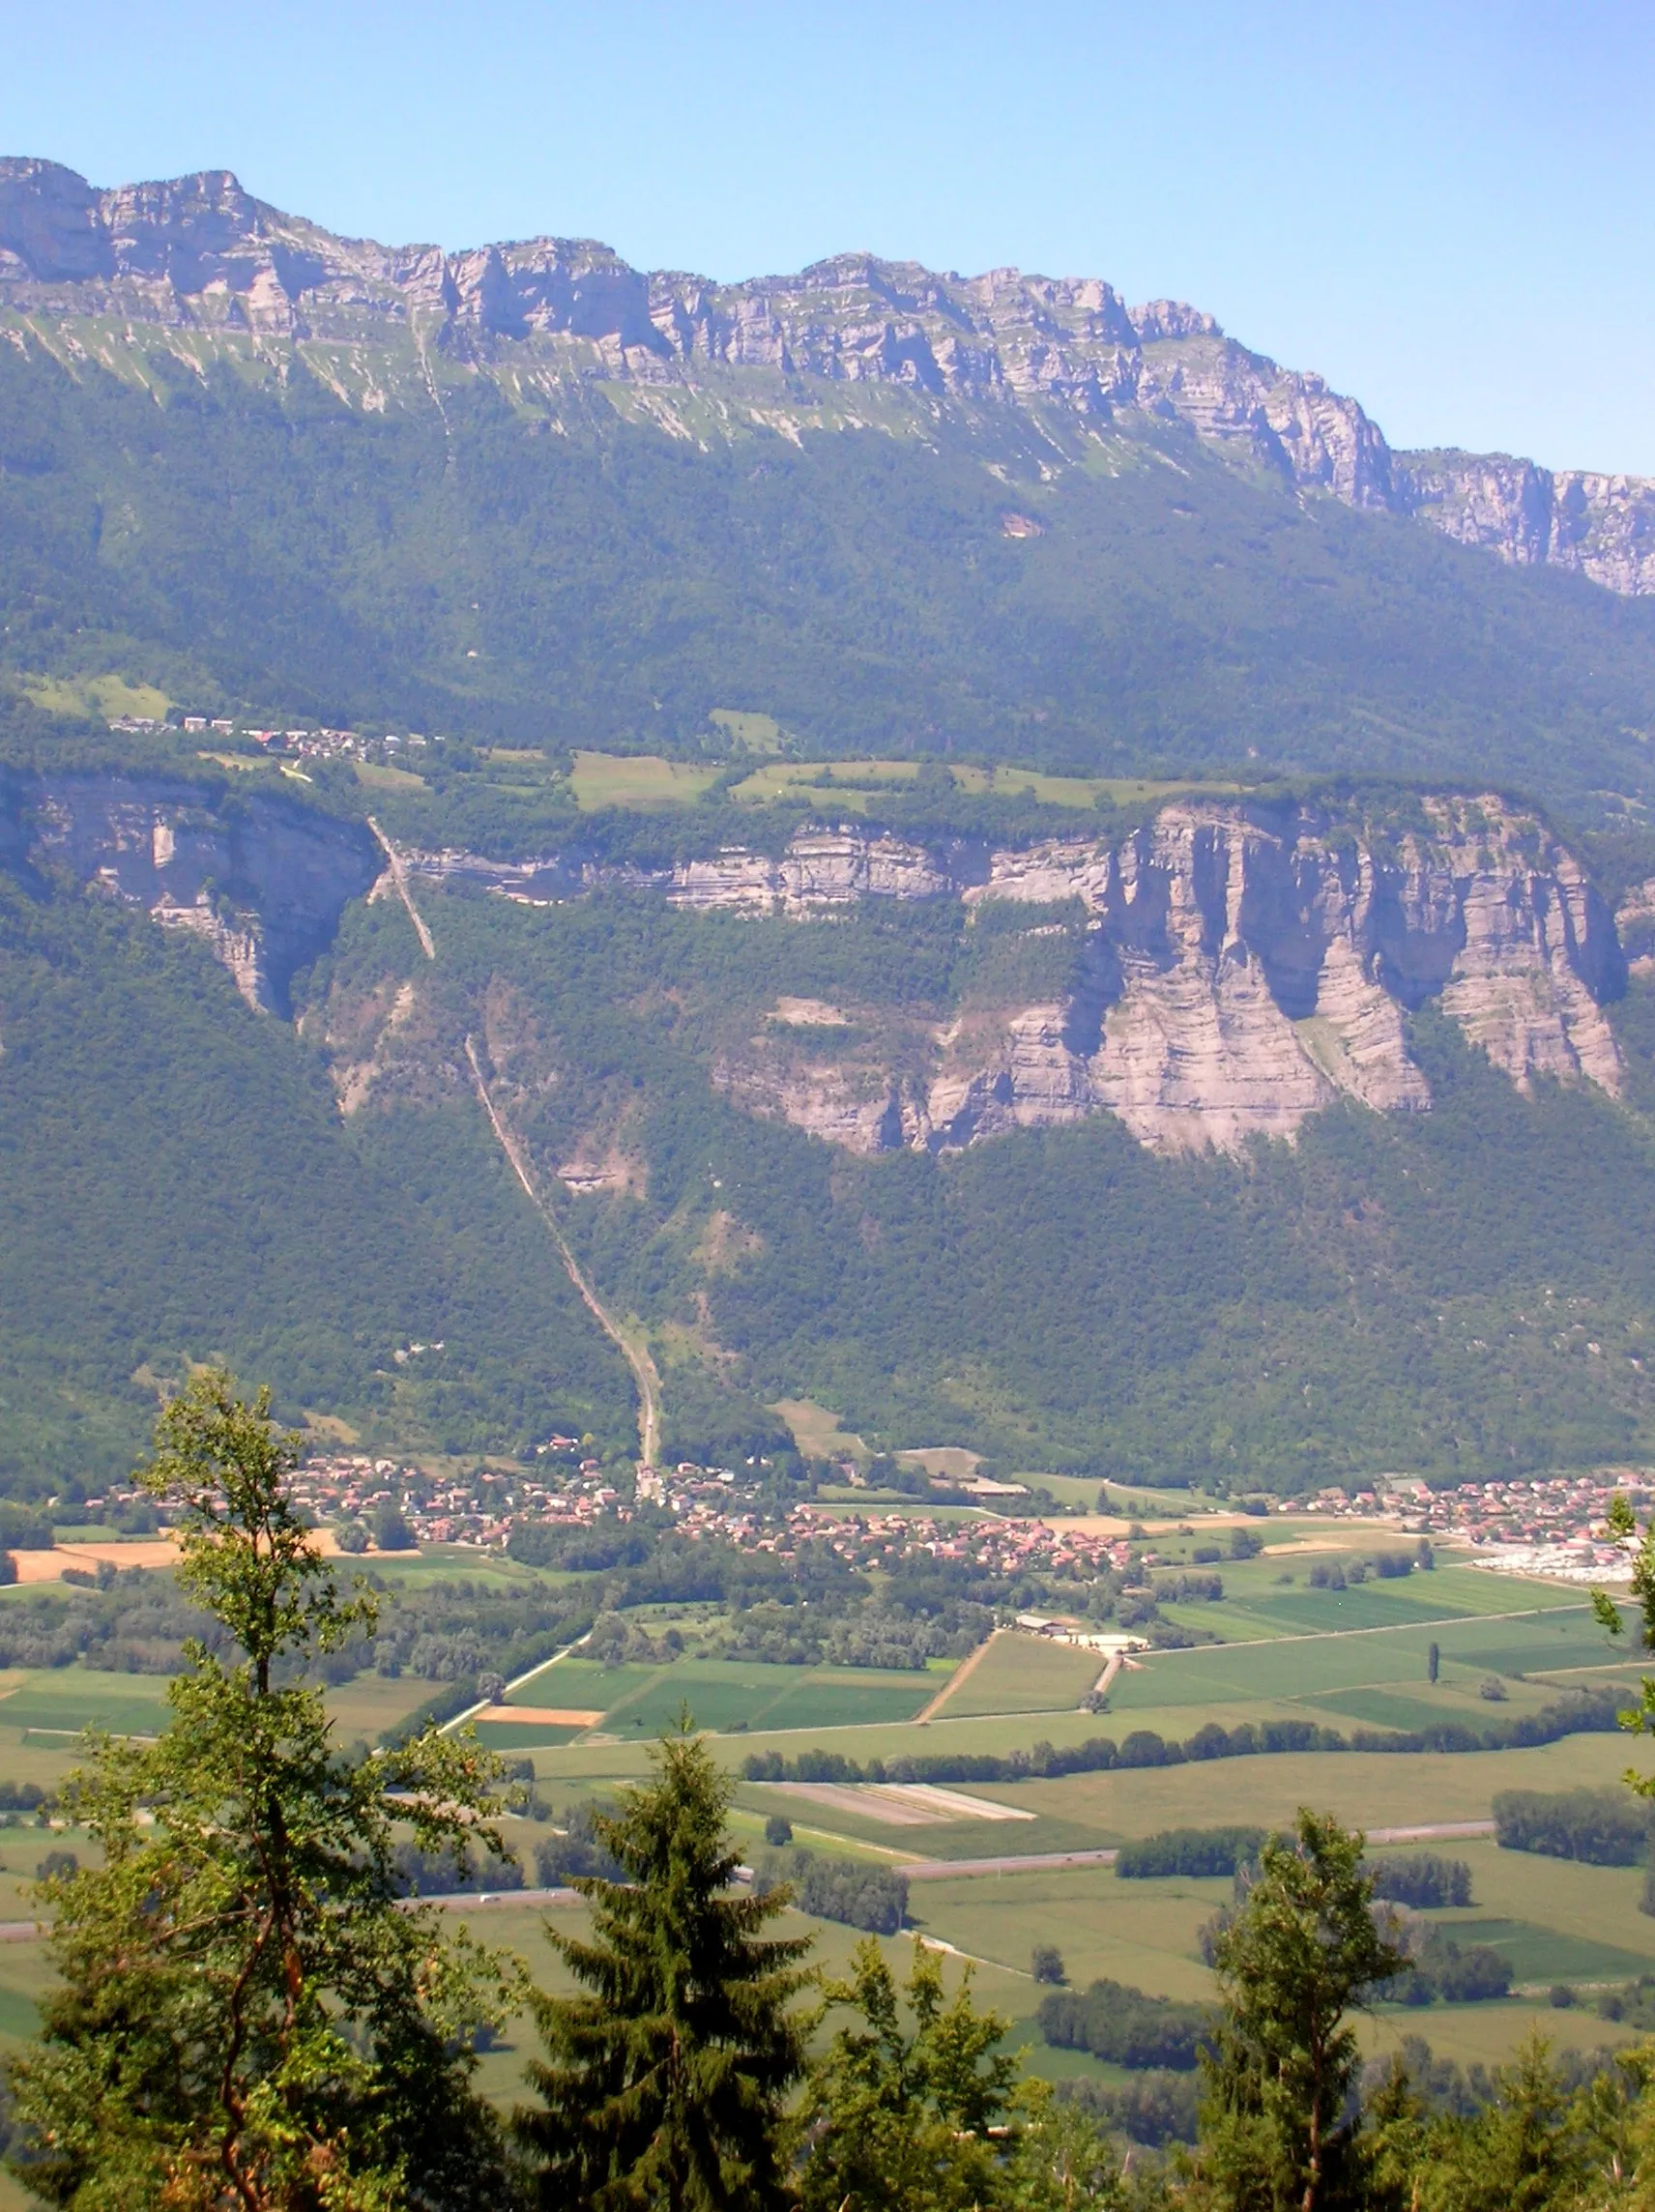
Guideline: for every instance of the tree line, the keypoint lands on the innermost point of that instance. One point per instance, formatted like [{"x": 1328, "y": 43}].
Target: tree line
[{"x": 252, "y": 2015}]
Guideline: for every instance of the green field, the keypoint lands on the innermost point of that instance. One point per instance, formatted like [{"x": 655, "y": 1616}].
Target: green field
[
  {"x": 528, "y": 1736},
  {"x": 725, "y": 1695},
  {"x": 635, "y": 780},
  {"x": 1025, "y": 1675},
  {"x": 581, "y": 1684},
  {"x": 56, "y": 1704},
  {"x": 1315, "y": 1662},
  {"x": 648, "y": 780},
  {"x": 857, "y": 784}
]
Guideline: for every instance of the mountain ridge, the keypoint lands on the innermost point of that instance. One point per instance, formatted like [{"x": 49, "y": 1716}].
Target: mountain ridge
[{"x": 199, "y": 255}]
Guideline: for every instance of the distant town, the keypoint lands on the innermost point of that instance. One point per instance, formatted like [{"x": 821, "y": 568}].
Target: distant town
[
  {"x": 313, "y": 743},
  {"x": 1550, "y": 1526}
]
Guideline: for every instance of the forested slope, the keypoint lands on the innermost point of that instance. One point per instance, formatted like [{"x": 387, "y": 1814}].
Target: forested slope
[
  {"x": 1465, "y": 1290},
  {"x": 175, "y": 1182},
  {"x": 267, "y": 546}
]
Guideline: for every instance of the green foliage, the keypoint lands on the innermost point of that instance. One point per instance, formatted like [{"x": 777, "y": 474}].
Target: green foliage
[
  {"x": 1187, "y": 1851},
  {"x": 258, "y": 541},
  {"x": 1422, "y": 1880},
  {"x": 176, "y": 1183},
  {"x": 1403, "y": 1301},
  {"x": 849, "y": 1891},
  {"x": 898, "y": 2117},
  {"x": 1527, "y": 2151},
  {"x": 1623, "y": 1531},
  {"x": 663, "y": 2086},
  {"x": 244, "y": 2013},
  {"x": 1600, "y": 1826},
  {"x": 1127, "y": 2028},
  {"x": 1300, "y": 1953}
]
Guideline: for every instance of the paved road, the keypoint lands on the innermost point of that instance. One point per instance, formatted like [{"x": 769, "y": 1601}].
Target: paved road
[
  {"x": 516, "y": 1683},
  {"x": 490, "y": 1900},
  {"x": 1027, "y": 1862},
  {"x": 1044, "y": 1862},
  {"x": 919, "y": 1870},
  {"x": 1437, "y": 1831}
]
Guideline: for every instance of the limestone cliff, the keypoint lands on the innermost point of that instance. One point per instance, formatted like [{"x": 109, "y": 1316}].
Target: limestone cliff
[
  {"x": 386, "y": 324},
  {"x": 1238, "y": 969},
  {"x": 1232, "y": 970},
  {"x": 262, "y": 881},
  {"x": 1601, "y": 526}
]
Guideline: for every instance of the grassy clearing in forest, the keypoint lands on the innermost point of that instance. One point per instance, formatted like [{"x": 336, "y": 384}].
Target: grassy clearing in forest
[{"x": 635, "y": 780}]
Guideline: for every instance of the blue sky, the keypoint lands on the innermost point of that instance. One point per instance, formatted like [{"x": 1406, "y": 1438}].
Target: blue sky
[{"x": 1445, "y": 209}]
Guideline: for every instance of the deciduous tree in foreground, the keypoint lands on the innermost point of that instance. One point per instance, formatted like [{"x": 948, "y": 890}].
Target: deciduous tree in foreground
[
  {"x": 246, "y": 2021},
  {"x": 1278, "y": 2133}
]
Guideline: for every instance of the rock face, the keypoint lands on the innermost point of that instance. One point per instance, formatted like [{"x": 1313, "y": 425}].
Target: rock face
[
  {"x": 199, "y": 253},
  {"x": 821, "y": 869},
  {"x": 1601, "y": 526},
  {"x": 261, "y": 882},
  {"x": 1264, "y": 970},
  {"x": 1229, "y": 970},
  {"x": 1238, "y": 971}
]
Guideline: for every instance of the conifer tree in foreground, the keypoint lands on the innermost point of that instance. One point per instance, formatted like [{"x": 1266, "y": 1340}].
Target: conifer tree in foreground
[
  {"x": 664, "y": 2086},
  {"x": 246, "y": 2021}
]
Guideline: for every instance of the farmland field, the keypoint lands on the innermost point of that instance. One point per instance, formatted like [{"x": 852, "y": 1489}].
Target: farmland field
[
  {"x": 1296, "y": 1665},
  {"x": 643, "y": 779},
  {"x": 53, "y": 1706},
  {"x": 1025, "y": 1675},
  {"x": 723, "y": 1693}
]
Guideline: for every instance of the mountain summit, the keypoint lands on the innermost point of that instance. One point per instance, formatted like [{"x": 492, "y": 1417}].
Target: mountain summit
[{"x": 198, "y": 254}]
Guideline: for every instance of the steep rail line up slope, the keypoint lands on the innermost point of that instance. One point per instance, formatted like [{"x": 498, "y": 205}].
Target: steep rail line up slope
[
  {"x": 645, "y": 1374},
  {"x": 636, "y": 1356}
]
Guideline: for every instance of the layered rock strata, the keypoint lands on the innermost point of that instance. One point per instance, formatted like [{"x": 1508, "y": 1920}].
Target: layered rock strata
[
  {"x": 198, "y": 253},
  {"x": 1238, "y": 971},
  {"x": 1234, "y": 970}
]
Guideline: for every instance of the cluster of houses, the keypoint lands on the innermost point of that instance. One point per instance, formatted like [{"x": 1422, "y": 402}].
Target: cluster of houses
[
  {"x": 481, "y": 1508},
  {"x": 314, "y": 741},
  {"x": 1551, "y": 1525},
  {"x": 1545, "y": 1525}
]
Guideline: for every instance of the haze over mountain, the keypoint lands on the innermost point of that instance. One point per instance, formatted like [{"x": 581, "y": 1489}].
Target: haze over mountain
[
  {"x": 198, "y": 253},
  {"x": 1262, "y": 1099},
  {"x": 528, "y": 492}
]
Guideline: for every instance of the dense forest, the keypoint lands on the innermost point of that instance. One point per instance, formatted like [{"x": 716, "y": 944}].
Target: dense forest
[
  {"x": 175, "y": 1182},
  {"x": 1462, "y": 1292}
]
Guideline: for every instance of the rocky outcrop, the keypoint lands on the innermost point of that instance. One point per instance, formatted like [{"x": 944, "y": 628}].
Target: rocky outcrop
[
  {"x": 1635, "y": 925},
  {"x": 1237, "y": 972},
  {"x": 1600, "y": 526},
  {"x": 262, "y": 881},
  {"x": 200, "y": 253},
  {"x": 196, "y": 251},
  {"x": 1265, "y": 970},
  {"x": 820, "y": 871}
]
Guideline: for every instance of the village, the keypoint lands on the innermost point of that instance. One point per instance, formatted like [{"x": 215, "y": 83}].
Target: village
[
  {"x": 314, "y": 741},
  {"x": 1551, "y": 1527}
]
